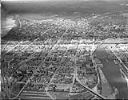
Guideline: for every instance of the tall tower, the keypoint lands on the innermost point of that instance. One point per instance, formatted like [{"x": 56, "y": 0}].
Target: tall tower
[
  {"x": 18, "y": 22},
  {"x": 126, "y": 25}
]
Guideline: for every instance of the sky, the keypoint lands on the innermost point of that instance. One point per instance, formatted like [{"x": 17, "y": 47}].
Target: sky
[
  {"x": 56, "y": 0},
  {"x": 58, "y": 6}
]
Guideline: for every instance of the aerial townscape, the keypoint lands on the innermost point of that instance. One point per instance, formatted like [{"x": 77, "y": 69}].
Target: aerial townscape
[{"x": 66, "y": 55}]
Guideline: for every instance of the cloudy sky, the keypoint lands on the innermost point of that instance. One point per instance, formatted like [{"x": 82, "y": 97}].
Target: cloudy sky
[
  {"x": 62, "y": 5},
  {"x": 58, "y": 0}
]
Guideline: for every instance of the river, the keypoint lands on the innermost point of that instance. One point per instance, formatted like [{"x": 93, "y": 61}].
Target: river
[{"x": 112, "y": 73}]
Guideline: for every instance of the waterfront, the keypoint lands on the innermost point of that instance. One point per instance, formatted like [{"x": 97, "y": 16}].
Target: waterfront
[{"x": 112, "y": 73}]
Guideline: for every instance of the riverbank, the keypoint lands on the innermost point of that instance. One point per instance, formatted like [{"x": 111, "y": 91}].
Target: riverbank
[{"x": 112, "y": 73}]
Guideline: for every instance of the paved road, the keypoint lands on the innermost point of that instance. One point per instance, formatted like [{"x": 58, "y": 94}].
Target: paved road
[{"x": 112, "y": 73}]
